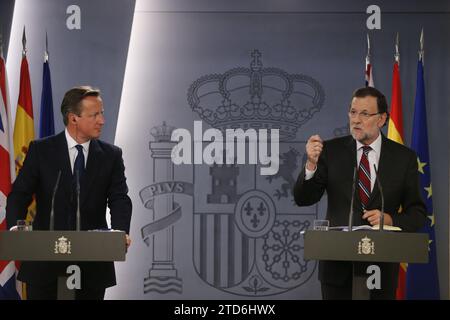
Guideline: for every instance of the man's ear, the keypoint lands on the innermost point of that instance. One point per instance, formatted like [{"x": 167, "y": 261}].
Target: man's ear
[
  {"x": 73, "y": 118},
  {"x": 383, "y": 120}
]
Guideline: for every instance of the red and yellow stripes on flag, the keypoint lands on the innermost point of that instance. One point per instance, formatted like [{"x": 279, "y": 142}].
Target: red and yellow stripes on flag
[
  {"x": 395, "y": 126},
  {"x": 24, "y": 124},
  {"x": 395, "y": 133}
]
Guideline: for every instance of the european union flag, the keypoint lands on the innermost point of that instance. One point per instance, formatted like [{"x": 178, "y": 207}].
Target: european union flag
[
  {"x": 422, "y": 279},
  {"x": 47, "y": 125}
]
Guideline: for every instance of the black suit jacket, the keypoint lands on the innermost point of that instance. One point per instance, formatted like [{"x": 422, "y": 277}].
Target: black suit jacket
[
  {"x": 398, "y": 174},
  {"x": 103, "y": 184}
]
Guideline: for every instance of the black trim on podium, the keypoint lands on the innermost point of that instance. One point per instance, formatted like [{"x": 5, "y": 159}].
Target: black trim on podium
[{"x": 365, "y": 246}]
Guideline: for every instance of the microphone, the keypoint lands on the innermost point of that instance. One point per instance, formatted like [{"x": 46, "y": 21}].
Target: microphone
[
  {"x": 382, "y": 198},
  {"x": 78, "y": 201},
  {"x": 52, "y": 211},
  {"x": 350, "y": 215}
]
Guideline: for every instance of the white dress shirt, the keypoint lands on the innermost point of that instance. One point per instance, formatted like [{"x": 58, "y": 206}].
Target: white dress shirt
[
  {"x": 373, "y": 156},
  {"x": 73, "y": 152}
]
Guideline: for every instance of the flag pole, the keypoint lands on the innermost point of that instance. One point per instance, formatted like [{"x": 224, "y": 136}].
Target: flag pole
[
  {"x": 46, "y": 48},
  {"x": 421, "y": 51},
  {"x": 368, "y": 49},
  {"x": 397, "y": 51},
  {"x": 368, "y": 71},
  {"x": 24, "y": 43}
]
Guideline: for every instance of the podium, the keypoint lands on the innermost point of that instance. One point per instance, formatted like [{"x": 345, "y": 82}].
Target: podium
[
  {"x": 365, "y": 246},
  {"x": 63, "y": 246}
]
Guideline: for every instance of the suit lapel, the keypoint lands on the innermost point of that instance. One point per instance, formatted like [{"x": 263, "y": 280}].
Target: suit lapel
[
  {"x": 92, "y": 167},
  {"x": 351, "y": 149},
  {"x": 351, "y": 163},
  {"x": 347, "y": 158},
  {"x": 63, "y": 163}
]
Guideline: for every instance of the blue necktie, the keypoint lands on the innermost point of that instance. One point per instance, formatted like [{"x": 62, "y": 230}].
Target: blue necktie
[
  {"x": 78, "y": 166},
  {"x": 79, "y": 162}
]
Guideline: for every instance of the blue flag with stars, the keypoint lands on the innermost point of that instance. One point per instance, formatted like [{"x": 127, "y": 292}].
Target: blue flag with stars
[
  {"x": 422, "y": 279},
  {"x": 47, "y": 124}
]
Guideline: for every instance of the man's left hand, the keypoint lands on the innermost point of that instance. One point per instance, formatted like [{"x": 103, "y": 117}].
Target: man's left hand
[
  {"x": 128, "y": 240},
  {"x": 373, "y": 216}
]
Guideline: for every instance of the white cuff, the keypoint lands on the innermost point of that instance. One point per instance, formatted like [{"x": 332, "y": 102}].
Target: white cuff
[{"x": 309, "y": 173}]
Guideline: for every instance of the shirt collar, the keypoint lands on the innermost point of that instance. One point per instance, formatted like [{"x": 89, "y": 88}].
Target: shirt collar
[
  {"x": 71, "y": 143},
  {"x": 376, "y": 145}
]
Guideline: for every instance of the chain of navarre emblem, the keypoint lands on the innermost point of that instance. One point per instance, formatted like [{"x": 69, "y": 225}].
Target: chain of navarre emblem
[
  {"x": 366, "y": 246},
  {"x": 62, "y": 246}
]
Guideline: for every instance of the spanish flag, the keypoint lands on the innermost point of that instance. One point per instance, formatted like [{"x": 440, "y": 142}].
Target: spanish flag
[
  {"x": 395, "y": 126},
  {"x": 395, "y": 133},
  {"x": 24, "y": 123}
]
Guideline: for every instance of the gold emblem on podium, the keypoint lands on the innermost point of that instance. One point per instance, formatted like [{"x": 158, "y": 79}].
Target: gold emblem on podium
[
  {"x": 62, "y": 246},
  {"x": 366, "y": 246}
]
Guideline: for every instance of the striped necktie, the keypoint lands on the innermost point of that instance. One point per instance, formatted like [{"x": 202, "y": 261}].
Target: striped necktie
[{"x": 364, "y": 177}]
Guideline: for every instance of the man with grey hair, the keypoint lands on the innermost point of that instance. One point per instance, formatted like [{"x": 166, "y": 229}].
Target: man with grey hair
[{"x": 76, "y": 153}]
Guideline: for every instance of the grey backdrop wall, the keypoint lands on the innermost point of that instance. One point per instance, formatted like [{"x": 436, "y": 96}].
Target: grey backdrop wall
[
  {"x": 6, "y": 14},
  {"x": 95, "y": 54},
  {"x": 170, "y": 57},
  {"x": 192, "y": 51}
]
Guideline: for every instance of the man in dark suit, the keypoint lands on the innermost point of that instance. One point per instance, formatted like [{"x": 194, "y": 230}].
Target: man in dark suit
[
  {"x": 330, "y": 166},
  {"x": 101, "y": 174}
]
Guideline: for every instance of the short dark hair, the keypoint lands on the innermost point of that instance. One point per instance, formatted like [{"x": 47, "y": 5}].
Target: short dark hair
[
  {"x": 71, "y": 102},
  {"x": 372, "y": 92}
]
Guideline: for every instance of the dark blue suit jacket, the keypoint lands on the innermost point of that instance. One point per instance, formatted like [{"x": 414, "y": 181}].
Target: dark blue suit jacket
[
  {"x": 398, "y": 173},
  {"x": 103, "y": 184}
]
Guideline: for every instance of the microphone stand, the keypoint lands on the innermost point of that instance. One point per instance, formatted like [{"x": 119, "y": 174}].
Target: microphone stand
[
  {"x": 382, "y": 199},
  {"x": 350, "y": 215},
  {"x": 52, "y": 211},
  {"x": 78, "y": 201}
]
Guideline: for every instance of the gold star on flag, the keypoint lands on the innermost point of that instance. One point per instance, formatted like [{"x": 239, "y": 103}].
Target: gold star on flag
[
  {"x": 430, "y": 191},
  {"x": 432, "y": 219},
  {"x": 421, "y": 165}
]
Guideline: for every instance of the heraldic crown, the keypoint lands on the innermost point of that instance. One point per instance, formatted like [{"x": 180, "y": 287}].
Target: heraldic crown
[
  {"x": 162, "y": 133},
  {"x": 256, "y": 97}
]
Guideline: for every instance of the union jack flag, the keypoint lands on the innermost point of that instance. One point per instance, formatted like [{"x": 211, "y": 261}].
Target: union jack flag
[{"x": 9, "y": 289}]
